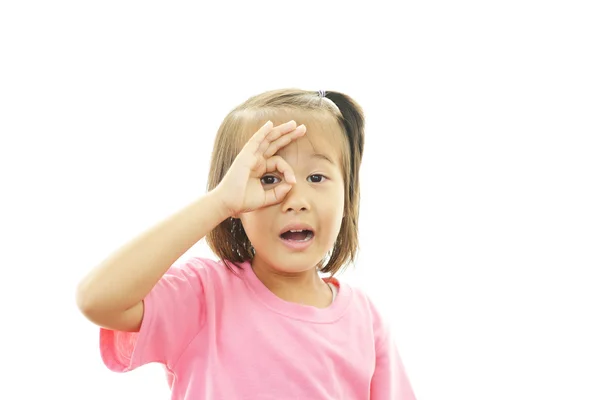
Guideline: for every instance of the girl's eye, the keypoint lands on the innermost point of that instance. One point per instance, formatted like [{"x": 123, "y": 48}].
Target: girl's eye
[
  {"x": 269, "y": 180},
  {"x": 317, "y": 178}
]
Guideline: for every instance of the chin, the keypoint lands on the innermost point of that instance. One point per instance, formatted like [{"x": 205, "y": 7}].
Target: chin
[{"x": 293, "y": 263}]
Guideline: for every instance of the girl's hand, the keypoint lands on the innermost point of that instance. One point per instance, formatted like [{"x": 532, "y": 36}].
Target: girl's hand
[{"x": 242, "y": 188}]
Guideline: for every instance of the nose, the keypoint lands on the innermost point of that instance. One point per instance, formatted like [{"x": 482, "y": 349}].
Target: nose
[{"x": 297, "y": 199}]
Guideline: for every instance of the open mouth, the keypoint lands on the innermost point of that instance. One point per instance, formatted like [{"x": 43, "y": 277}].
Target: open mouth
[{"x": 297, "y": 235}]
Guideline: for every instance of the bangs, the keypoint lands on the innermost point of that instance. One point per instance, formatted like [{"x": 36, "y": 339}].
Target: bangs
[
  {"x": 334, "y": 127},
  {"x": 323, "y": 130}
]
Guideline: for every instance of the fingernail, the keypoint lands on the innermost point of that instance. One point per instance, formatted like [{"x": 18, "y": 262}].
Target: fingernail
[{"x": 268, "y": 122}]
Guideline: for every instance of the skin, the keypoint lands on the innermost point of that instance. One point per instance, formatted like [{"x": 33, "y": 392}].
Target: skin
[
  {"x": 111, "y": 295},
  {"x": 315, "y": 198}
]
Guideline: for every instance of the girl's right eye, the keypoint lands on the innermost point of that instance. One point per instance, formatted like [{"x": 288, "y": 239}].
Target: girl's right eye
[{"x": 269, "y": 180}]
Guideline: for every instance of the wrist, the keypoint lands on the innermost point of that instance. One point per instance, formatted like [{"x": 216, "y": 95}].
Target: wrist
[{"x": 219, "y": 205}]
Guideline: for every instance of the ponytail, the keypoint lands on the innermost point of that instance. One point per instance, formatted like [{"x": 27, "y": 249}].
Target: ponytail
[{"x": 353, "y": 121}]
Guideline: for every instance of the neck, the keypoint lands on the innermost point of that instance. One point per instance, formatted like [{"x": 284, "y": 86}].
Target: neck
[{"x": 305, "y": 287}]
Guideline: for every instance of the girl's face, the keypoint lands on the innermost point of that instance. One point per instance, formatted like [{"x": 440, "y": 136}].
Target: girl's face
[{"x": 294, "y": 235}]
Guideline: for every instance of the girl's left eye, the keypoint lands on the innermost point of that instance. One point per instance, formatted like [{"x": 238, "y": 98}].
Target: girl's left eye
[{"x": 317, "y": 178}]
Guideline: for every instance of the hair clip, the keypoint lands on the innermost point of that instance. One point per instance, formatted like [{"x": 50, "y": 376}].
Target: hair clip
[{"x": 322, "y": 93}]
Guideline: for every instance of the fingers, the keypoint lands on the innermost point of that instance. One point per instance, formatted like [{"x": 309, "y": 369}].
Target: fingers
[
  {"x": 260, "y": 135},
  {"x": 277, "y": 163},
  {"x": 284, "y": 140},
  {"x": 268, "y": 140},
  {"x": 281, "y": 129},
  {"x": 277, "y": 194},
  {"x": 289, "y": 128},
  {"x": 279, "y": 191}
]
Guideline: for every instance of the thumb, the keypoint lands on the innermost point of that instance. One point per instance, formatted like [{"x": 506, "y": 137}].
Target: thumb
[{"x": 277, "y": 194}]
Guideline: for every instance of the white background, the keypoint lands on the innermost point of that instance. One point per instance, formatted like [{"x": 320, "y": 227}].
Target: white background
[{"x": 481, "y": 190}]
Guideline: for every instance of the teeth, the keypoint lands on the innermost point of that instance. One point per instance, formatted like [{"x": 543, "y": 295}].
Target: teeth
[{"x": 296, "y": 230}]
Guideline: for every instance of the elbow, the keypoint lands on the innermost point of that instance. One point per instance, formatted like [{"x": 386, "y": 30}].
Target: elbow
[{"x": 84, "y": 299}]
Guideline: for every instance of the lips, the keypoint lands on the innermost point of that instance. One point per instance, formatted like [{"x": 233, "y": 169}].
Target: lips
[
  {"x": 297, "y": 232},
  {"x": 296, "y": 227},
  {"x": 297, "y": 235}
]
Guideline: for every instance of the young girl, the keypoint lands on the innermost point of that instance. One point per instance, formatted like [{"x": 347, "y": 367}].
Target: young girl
[{"x": 260, "y": 323}]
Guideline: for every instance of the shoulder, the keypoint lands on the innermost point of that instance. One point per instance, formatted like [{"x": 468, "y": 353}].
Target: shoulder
[
  {"x": 360, "y": 296},
  {"x": 195, "y": 267},
  {"x": 199, "y": 272},
  {"x": 374, "y": 308},
  {"x": 194, "y": 264},
  {"x": 370, "y": 309}
]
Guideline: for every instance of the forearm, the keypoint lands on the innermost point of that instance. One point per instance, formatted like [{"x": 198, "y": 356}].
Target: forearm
[{"x": 127, "y": 276}]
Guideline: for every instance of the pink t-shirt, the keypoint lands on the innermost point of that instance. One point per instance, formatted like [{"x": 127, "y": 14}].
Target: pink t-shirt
[{"x": 226, "y": 336}]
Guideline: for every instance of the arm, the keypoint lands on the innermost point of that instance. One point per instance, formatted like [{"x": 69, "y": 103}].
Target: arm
[{"x": 111, "y": 294}]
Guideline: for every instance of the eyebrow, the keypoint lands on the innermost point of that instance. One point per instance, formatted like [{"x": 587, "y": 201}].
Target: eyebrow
[{"x": 322, "y": 157}]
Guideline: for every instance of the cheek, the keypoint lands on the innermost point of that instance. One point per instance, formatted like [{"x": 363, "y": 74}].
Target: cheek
[
  {"x": 249, "y": 222},
  {"x": 334, "y": 205},
  {"x": 255, "y": 223}
]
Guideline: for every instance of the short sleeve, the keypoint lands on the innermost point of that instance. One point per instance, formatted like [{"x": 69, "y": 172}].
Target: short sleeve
[
  {"x": 390, "y": 381},
  {"x": 174, "y": 312}
]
